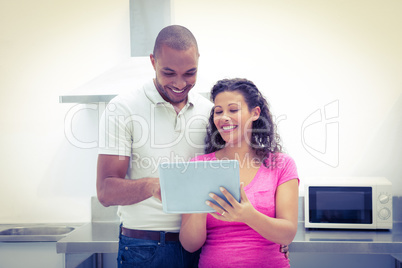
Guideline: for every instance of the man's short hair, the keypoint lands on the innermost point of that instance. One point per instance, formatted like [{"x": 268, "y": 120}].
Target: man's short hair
[{"x": 176, "y": 37}]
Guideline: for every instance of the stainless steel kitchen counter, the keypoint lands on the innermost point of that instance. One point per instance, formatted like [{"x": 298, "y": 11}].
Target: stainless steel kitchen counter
[
  {"x": 91, "y": 240},
  {"x": 95, "y": 237},
  {"x": 348, "y": 241},
  {"x": 102, "y": 237}
]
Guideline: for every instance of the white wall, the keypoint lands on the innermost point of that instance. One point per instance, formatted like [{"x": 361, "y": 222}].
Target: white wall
[
  {"x": 311, "y": 55},
  {"x": 48, "y": 48},
  {"x": 305, "y": 55}
]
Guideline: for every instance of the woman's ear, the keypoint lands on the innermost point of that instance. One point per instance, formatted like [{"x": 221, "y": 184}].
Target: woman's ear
[{"x": 256, "y": 113}]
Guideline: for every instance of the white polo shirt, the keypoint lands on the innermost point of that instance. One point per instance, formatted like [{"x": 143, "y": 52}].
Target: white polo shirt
[{"x": 142, "y": 125}]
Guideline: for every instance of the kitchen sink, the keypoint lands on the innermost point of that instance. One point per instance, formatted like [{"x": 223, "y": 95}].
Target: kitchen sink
[
  {"x": 43, "y": 230},
  {"x": 35, "y": 233}
]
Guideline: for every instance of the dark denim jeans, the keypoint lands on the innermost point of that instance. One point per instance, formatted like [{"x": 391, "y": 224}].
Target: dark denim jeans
[{"x": 148, "y": 253}]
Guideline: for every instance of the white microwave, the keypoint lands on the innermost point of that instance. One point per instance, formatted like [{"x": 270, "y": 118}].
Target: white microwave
[{"x": 348, "y": 203}]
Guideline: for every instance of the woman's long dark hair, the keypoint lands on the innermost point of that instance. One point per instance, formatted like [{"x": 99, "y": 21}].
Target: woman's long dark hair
[{"x": 265, "y": 140}]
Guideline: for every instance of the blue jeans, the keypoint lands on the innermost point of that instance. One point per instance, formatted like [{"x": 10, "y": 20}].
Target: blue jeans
[{"x": 149, "y": 253}]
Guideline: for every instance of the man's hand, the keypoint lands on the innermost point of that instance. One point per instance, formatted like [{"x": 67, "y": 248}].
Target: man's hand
[
  {"x": 156, "y": 188},
  {"x": 112, "y": 187},
  {"x": 285, "y": 249}
]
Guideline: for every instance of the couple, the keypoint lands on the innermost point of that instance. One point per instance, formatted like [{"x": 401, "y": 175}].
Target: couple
[{"x": 240, "y": 127}]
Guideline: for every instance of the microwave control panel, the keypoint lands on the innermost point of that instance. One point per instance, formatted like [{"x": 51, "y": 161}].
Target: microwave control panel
[{"x": 384, "y": 206}]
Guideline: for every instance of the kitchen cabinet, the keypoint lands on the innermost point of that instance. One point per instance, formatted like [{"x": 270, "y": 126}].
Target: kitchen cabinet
[{"x": 30, "y": 254}]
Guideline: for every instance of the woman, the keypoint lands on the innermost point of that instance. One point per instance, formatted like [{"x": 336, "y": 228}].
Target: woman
[{"x": 246, "y": 233}]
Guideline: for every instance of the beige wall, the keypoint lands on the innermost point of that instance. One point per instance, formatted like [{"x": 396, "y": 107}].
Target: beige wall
[{"x": 305, "y": 55}]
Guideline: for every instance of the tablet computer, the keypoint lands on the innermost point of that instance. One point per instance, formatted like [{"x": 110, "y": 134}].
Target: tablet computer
[{"x": 185, "y": 185}]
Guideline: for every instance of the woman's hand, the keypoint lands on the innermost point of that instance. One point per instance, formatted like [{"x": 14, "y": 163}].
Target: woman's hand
[
  {"x": 235, "y": 211},
  {"x": 280, "y": 230},
  {"x": 232, "y": 211}
]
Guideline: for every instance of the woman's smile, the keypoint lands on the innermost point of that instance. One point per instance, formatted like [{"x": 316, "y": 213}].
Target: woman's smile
[{"x": 228, "y": 128}]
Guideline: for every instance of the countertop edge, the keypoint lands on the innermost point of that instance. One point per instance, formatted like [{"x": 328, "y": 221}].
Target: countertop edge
[{"x": 102, "y": 237}]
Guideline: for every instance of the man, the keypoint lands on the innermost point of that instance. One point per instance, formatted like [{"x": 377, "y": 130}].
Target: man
[{"x": 161, "y": 122}]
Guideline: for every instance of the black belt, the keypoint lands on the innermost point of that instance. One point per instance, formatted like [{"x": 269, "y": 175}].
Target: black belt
[{"x": 149, "y": 235}]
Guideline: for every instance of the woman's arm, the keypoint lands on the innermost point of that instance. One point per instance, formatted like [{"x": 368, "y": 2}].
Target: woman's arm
[
  {"x": 193, "y": 231},
  {"x": 283, "y": 228},
  {"x": 280, "y": 230}
]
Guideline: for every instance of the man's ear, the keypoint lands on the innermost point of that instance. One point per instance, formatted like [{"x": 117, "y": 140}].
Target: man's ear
[
  {"x": 153, "y": 60},
  {"x": 256, "y": 113}
]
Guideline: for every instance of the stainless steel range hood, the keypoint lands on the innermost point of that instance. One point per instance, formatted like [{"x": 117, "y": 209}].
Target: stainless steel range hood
[
  {"x": 147, "y": 18},
  {"x": 124, "y": 77},
  {"x": 127, "y": 76}
]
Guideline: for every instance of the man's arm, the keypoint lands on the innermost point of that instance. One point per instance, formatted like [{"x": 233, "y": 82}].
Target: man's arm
[{"x": 112, "y": 187}]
